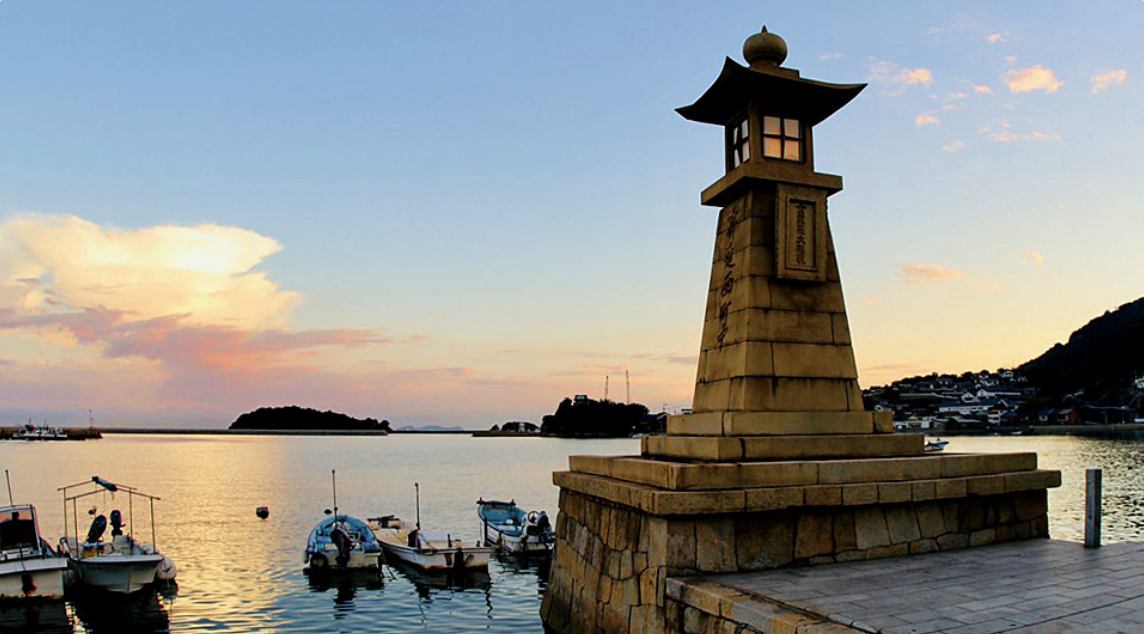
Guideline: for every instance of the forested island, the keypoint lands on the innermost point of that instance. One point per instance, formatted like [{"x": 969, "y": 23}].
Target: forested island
[
  {"x": 294, "y": 418},
  {"x": 588, "y": 418}
]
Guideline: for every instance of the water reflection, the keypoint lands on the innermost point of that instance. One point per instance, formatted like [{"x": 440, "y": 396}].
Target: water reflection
[
  {"x": 48, "y": 617},
  {"x": 107, "y": 613},
  {"x": 347, "y": 585},
  {"x": 536, "y": 565}
]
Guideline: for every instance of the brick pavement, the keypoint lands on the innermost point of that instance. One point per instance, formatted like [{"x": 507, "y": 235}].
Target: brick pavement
[{"x": 1029, "y": 587}]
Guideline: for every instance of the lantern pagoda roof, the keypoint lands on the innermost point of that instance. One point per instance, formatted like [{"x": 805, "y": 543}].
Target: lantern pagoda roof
[{"x": 781, "y": 92}]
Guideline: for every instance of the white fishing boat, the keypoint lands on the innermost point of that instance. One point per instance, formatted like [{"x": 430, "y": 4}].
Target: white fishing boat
[
  {"x": 424, "y": 549},
  {"x": 29, "y": 568},
  {"x": 511, "y": 530},
  {"x": 341, "y": 542},
  {"x": 122, "y": 564},
  {"x": 427, "y": 550}
]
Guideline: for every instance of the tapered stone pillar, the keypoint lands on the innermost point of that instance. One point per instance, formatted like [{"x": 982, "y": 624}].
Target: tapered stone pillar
[{"x": 779, "y": 464}]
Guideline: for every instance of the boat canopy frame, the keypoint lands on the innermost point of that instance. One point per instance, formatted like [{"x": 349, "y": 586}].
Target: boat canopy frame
[{"x": 97, "y": 485}]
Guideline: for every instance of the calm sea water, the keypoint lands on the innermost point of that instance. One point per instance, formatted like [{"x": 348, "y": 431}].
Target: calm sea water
[{"x": 241, "y": 574}]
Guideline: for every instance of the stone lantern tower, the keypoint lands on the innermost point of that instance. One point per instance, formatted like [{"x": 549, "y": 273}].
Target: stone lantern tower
[{"x": 778, "y": 465}]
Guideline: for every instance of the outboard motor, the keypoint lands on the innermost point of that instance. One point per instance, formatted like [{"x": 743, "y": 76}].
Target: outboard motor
[
  {"x": 98, "y": 525},
  {"x": 343, "y": 542},
  {"x": 116, "y": 523}
]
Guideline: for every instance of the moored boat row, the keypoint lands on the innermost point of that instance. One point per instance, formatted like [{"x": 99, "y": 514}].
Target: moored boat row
[
  {"x": 31, "y": 569},
  {"x": 505, "y": 529}
]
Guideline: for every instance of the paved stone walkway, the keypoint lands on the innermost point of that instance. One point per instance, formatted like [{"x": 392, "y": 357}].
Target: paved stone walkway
[{"x": 1030, "y": 587}]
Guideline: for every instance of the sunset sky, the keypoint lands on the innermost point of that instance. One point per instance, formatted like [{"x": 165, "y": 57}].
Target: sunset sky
[{"x": 459, "y": 213}]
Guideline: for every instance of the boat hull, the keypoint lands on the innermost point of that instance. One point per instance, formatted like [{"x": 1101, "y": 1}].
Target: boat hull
[
  {"x": 358, "y": 561},
  {"x": 33, "y": 578},
  {"x": 516, "y": 544},
  {"x": 117, "y": 573},
  {"x": 445, "y": 557}
]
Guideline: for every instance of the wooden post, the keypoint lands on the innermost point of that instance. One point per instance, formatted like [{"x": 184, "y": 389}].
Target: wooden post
[{"x": 1092, "y": 494}]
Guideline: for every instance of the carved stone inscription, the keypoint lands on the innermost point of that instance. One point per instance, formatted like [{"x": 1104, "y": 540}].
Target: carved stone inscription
[
  {"x": 731, "y": 222},
  {"x": 801, "y": 248}
]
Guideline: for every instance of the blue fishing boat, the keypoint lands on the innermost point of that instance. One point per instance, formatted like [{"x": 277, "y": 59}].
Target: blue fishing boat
[
  {"x": 341, "y": 542},
  {"x": 509, "y": 528}
]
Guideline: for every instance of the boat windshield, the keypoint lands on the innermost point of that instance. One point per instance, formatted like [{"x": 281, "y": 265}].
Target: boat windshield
[{"x": 17, "y": 532}]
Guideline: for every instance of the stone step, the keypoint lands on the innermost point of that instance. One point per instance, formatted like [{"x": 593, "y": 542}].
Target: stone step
[
  {"x": 689, "y": 476},
  {"x": 750, "y": 448},
  {"x": 658, "y": 501}
]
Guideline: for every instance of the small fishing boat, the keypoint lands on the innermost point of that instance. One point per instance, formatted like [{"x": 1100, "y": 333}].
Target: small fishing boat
[
  {"x": 341, "y": 542},
  {"x": 510, "y": 530},
  {"x": 427, "y": 550},
  {"x": 29, "y": 568},
  {"x": 123, "y": 564},
  {"x": 936, "y": 445},
  {"x": 40, "y": 432}
]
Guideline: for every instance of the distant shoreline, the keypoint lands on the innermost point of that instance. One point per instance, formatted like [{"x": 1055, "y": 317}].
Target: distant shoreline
[{"x": 269, "y": 432}]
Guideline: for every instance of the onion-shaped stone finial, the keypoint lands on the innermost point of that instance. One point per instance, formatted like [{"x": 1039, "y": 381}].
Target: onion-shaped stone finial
[{"x": 764, "y": 49}]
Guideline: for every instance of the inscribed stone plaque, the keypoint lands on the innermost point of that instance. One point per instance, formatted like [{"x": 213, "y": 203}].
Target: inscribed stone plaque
[{"x": 801, "y": 233}]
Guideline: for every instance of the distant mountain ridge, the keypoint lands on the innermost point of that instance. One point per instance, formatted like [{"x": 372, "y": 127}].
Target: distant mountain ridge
[{"x": 1101, "y": 359}]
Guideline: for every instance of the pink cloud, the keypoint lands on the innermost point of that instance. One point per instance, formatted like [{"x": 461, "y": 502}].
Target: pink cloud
[{"x": 925, "y": 273}]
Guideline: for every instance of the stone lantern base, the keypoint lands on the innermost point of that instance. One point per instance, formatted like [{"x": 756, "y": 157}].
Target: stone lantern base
[{"x": 628, "y": 523}]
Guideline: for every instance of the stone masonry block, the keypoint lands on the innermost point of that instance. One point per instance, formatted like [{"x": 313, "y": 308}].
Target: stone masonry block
[
  {"x": 708, "y": 424},
  {"x": 814, "y": 361},
  {"x": 879, "y": 470},
  {"x": 859, "y": 494},
  {"x": 845, "y": 538},
  {"x": 840, "y": 328},
  {"x": 809, "y": 395},
  {"x": 1032, "y": 480},
  {"x": 814, "y": 534},
  {"x": 823, "y": 298},
  {"x": 774, "y": 498},
  {"x": 985, "y": 485},
  {"x": 797, "y": 423},
  {"x": 766, "y": 541},
  {"x": 713, "y": 539},
  {"x": 931, "y": 521},
  {"x": 697, "y": 502},
  {"x": 751, "y": 394},
  {"x": 955, "y": 466},
  {"x": 884, "y": 422},
  {"x": 744, "y": 474},
  {"x": 894, "y": 492},
  {"x": 825, "y": 495},
  {"x": 870, "y": 528},
  {"x": 902, "y": 523},
  {"x": 791, "y": 326},
  {"x": 950, "y": 488},
  {"x": 712, "y": 397},
  {"x": 923, "y": 491}
]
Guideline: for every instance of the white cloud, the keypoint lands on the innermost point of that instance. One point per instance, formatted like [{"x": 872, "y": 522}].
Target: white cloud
[
  {"x": 926, "y": 119},
  {"x": 1033, "y": 257},
  {"x": 1104, "y": 81},
  {"x": 1003, "y": 132},
  {"x": 996, "y": 38},
  {"x": 830, "y": 56},
  {"x": 982, "y": 89},
  {"x": 891, "y": 74},
  {"x": 953, "y": 147},
  {"x": 205, "y": 272},
  {"x": 1032, "y": 78}
]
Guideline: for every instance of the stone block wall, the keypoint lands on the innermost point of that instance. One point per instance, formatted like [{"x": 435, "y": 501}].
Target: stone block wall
[{"x": 612, "y": 561}]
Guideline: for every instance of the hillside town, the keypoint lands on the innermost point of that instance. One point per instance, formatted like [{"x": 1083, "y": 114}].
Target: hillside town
[{"x": 1004, "y": 400}]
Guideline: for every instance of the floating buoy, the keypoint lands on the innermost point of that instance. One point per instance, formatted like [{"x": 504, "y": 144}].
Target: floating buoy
[
  {"x": 166, "y": 570},
  {"x": 263, "y": 512}
]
